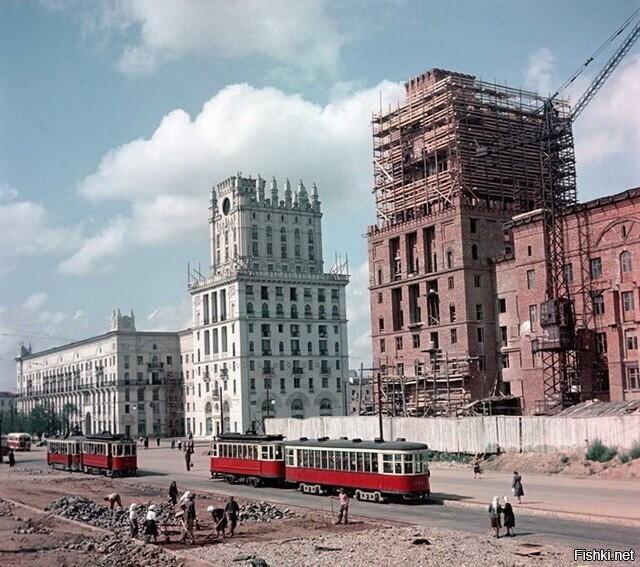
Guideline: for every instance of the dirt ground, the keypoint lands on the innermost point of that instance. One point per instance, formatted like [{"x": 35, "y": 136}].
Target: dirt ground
[{"x": 46, "y": 543}]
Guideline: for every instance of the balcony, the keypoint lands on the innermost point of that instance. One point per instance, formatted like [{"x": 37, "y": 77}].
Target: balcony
[
  {"x": 155, "y": 366},
  {"x": 295, "y": 352},
  {"x": 298, "y": 371},
  {"x": 267, "y": 372}
]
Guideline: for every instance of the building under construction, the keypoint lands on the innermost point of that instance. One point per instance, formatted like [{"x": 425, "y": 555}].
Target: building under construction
[{"x": 452, "y": 163}]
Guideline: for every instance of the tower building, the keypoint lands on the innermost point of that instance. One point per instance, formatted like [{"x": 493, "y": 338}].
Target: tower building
[{"x": 269, "y": 324}]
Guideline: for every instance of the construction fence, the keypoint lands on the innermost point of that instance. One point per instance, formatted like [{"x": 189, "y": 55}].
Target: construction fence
[{"x": 473, "y": 434}]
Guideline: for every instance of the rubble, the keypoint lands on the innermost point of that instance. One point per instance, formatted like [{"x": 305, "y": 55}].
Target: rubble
[{"x": 262, "y": 512}]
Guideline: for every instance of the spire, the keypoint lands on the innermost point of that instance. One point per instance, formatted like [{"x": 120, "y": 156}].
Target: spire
[
  {"x": 287, "y": 193},
  {"x": 260, "y": 184},
  {"x": 274, "y": 192},
  {"x": 314, "y": 198},
  {"x": 303, "y": 197}
]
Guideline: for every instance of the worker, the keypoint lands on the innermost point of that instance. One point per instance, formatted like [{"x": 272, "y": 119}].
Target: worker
[
  {"x": 189, "y": 519},
  {"x": 219, "y": 521},
  {"x": 133, "y": 520},
  {"x": 232, "y": 510},
  {"x": 113, "y": 499},
  {"x": 343, "y": 497},
  {"x": 173, "y": 493},
  {"x": 151, "y": 523}
]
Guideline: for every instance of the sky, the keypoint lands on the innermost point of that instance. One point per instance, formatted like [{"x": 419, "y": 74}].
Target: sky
[{"x": 116, "y": 119}]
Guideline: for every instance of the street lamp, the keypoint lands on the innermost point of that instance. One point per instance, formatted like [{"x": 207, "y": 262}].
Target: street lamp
[
  {"x": 225, "y": 378},
  {"x": 269, "y": 403}
]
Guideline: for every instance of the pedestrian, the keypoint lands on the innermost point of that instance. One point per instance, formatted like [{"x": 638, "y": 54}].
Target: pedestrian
[
  {"x": 179, "y": 444},
  {"x": 494, "y": 515},
  {"x": 516, "y": 486},
  {"x": 232, "y": 510},
  {"x": 191, "y": 447},
  {"x": 498, "y": 449},
  {"x": 157, "y": 441},
  {"x": 219, "y": 521},
  {"x": 173, "y": 493},
  {"x": 133, "y": 520},
  {"x": 12, "y": 458},
  {"x": 146, "y": 442},
  {"x": 113, "y": 499},
  {"x": 343, "y": 498},
  {"x": 188, "y": 519},
  {"x": 151, "y": 524},
  {"x": 476, "y": 469},
  {"x": 187, "y": 460},
  {"x": 173, "y": 444},
  {"x": 509, "y": 516}
]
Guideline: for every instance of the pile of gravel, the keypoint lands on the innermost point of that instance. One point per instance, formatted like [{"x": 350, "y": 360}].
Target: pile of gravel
[
  {"x": 262, "y": 512},
  {"x": 84, "y": 510}
]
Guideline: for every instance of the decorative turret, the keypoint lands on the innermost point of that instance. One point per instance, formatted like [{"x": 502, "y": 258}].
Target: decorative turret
[
  {"x": 303, "y": 197},
  {"x": 121, "y": 322},
  {"x": 287, "y": 194},
  {"x": 260, "y": 185},
  {"x": 314, "y": 198},
  {"x": 274, "y": 192},
  {"x": 23, "y": 350}
]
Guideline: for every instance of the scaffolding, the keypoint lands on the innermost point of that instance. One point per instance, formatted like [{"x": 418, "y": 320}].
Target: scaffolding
[{"x": 455, "y": 136}]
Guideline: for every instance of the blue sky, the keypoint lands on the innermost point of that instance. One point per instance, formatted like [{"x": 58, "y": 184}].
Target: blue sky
[{"x": 117, "y": 117}]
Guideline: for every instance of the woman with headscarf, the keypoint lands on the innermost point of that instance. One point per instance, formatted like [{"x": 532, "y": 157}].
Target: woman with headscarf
[
  {"x": 509, "y": 516},
  {"x": 151, "y": 524},
  {"x": 516, "y": 486},
  {"x": 494, "y": 515},
  {"x": 173, "y": 493}
]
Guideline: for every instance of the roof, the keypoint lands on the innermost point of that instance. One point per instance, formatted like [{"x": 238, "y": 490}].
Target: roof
[
  {"x": 397, "y": 445},
  {"x": 248, "y": 438},
  {"x": 596, "y": 408}
]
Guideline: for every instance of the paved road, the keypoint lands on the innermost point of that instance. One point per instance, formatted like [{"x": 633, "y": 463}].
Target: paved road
[{"x": 161, "y": 466}]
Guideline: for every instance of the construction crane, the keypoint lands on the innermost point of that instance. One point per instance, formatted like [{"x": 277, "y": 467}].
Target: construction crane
[{"x": 558, "y": 194}]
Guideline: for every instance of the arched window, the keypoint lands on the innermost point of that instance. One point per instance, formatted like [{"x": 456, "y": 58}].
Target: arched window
[
  {"x": 279, "y": 310},
  {"x": 336, "y": 347},
  {"x": 309, "y": 348},
  {"x": 265, "y": 310},
  {"x": 449, "y": 258},
  {"x": 254, "y": 232},
  {"x": 250, "y": 309},
  {"x": 207, "y": 407},
  {"x": 296, "y": 405},
  {"x": 626, "y": 264},
  {"x": 294, "y": 311},
  {"x": 268, "y": 408},
  {"x": 269, "y": 233},
  {"x": 283, "y": 234},
  {"x": 251, "y": 346},
  {"x": 281, "y": 347},
  {"x": 321, "y": 312},
  {"x": 310, "y": 236},
  {"x": 296, "y": 235},
  {"x": 307, "y": 311},
  {"x": 325, "y": 406},
  {"x": 335, "y": 313}
]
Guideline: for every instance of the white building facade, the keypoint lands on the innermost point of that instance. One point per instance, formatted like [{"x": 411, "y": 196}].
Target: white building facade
[
  {"x": 124, "y": 381},
  {"x": 269, "y": 325}
]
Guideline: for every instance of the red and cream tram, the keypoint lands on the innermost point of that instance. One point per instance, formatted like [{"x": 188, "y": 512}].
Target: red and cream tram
[
  {"x": 371, "y": 470},
  {"x": 112, "y": 455},
  {"x": 254, "y": 459}
]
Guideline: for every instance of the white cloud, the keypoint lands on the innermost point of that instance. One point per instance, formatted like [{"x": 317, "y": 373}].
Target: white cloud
[
  {"x": 7, "y": 193},
  {"x": 302, "y": 34},
  {"x": 172, "y": 317},
  {"x": 27, "y": 229},
  {"x": 34, "y": 321},
  {"x": 539, "y": 74},
  {"x": 166, "y": 178}
]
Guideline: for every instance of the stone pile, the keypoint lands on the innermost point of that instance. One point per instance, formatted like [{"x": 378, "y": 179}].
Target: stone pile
[
  {"x": 5, "y": 508},
  {"x": 262, "y": 512}
]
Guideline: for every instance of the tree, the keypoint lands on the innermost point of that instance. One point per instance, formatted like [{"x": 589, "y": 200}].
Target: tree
[{"x": 68, "y": 410}]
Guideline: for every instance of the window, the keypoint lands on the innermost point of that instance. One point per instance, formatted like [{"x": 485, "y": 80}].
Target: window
[
  {"x": 449, "y": 258},
  {"x": 568, "y": 273},
  {"x": 379, "y": 298},
  {"x": 480, "y": 333},
  {"x": 528, "y": 250},
  {"x": 452, "y": 312},
  {"x": 502, "y": 305},
  {"x": 416, "y": 341},
  {"x": 479, "y": 312},
  {"x": 626, "y": 264},
  {"x": 630, "y": 339},
  {"x": 503, "y": 336},
  {"x": 633, "y": 378},
  {"x": 628, "y": 301},
  {"x": 505, "y": 361},
  {"x": 601, "y": 343},
  {"x": 398, "y": 343},
  {"x": 382, "y": 345},
  {"x": 264, "y": 292},
  {"x": 531, "y": 279},
  {"x": 477, "y": 281},
  {"x": 595, "y": 267},
  {"x": 451, "y": 282},
  {"x": 598, "y": 303},
  {"x": 473, "y": 226},
  {"x": 454, "y": 336},
  {"x": 474, "y": 251},
  {"x": 533, "y": 314}
]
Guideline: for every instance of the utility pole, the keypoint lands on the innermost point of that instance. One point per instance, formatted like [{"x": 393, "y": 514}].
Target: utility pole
[
  {"x": 360, "y": 390},
  {"x": 380, "y": 434}
]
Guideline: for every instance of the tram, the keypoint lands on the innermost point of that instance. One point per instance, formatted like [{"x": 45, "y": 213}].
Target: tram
[{"x": 369, "y": 470}]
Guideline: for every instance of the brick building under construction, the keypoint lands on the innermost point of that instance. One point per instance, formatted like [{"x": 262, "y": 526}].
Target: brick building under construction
[{"x": 454, "y": 164}]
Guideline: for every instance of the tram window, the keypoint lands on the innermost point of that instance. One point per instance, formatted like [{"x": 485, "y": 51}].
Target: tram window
[
  {"x": 419, "y": 466},
  {"x": 359, "y": 466},
  {"x": 289, "y": 457},
  {"x": 397, "y": 464},
  {"x": 352, "y": 461},
  {"x": 331, "y": 460},
  {"x": 367, "y": 462},
  {"x": 374, "y": 462},
  {"x": 387, "y": 463},
  {"x": 234, "y": 451},
  {"x": 323, "y": 454},
  {"x": 265, "y": 452},
  {"x": 338, "y": 465},
  {"x": 408, "y": 464},
  {"x": 278, "y": 449},
  {"x": 344, "y": 457}
]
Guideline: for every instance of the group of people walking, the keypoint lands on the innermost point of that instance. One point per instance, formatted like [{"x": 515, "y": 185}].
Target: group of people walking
[{"x": 501, "y": 514}]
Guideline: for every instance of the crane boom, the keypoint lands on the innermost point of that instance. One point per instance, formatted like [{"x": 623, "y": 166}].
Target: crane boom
[{"x": 604, "y": 74}]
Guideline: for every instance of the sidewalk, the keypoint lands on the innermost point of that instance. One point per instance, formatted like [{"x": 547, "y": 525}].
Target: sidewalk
[{"x": 613, "y": 501}]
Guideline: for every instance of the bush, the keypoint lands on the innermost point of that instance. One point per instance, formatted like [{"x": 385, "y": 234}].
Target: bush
[
  {"x": 599, "y": 452},
  {"x": 625, "y": 458},
  {"x": 634, "y": 452},
  {"x": 565, "y": 460}
]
